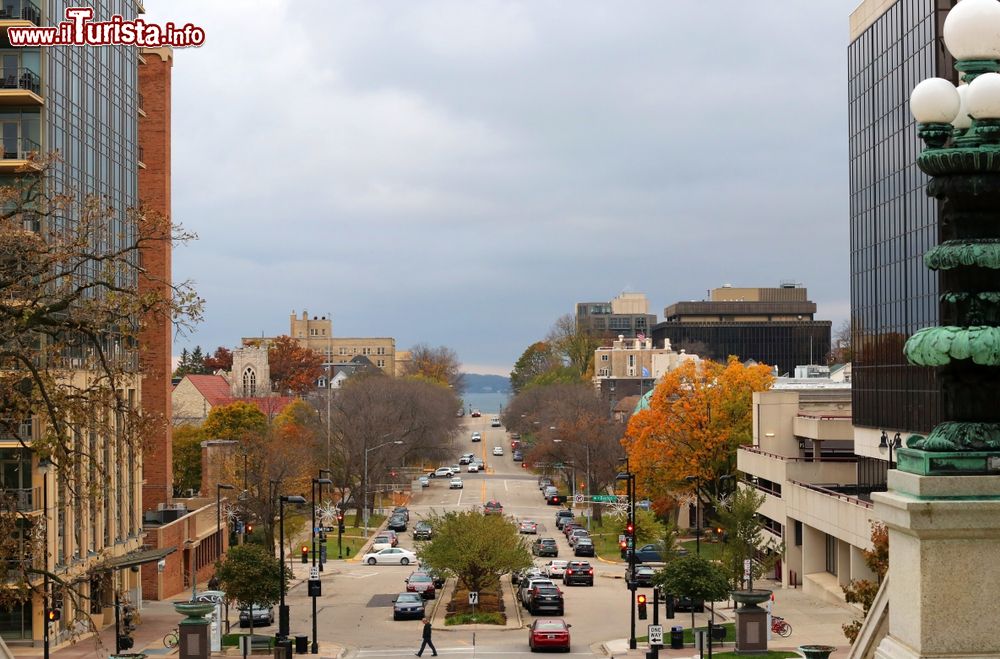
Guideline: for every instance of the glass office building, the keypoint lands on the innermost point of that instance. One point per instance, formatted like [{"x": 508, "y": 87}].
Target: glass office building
[{"x": 892, "y": 222}]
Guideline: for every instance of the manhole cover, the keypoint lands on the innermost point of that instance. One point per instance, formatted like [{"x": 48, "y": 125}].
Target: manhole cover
[{"x": 381, "y": 600}]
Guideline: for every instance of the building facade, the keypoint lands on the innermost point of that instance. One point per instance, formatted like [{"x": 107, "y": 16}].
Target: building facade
[
  {"x": 626, "y": 315},
  {"x": 893, "y": 46},
  {"x": 84, "y": 104},
  {"x": 773, "y": 326},
  {"x": 631, "y": 367}
]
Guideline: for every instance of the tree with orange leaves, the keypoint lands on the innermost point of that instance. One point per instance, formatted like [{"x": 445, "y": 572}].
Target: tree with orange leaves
[
  {"x": 698, "y": 415},
  {"x": 293, "y": 367}
]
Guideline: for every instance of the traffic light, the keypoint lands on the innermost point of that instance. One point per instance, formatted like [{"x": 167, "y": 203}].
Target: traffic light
[
  {"x": 623, "y": 547},
  {"x": 642, "y": 606},
  {"x": 128, "y": 617},
  {"x": 630, "y": 529},
  {"x": 340, "y": 522},
  {"x": 305, "y": 553},
  {"x": 54, "y": 615},
  {"x": 249, "y": 529}
]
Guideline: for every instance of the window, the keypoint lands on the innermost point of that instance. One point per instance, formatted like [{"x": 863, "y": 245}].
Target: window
[
  {"x": 831, "y": 554},
  {"x": 344, "y": 351},
  {"x": 380, "y": 351},
  {"x": 380, "y": 363},
  {"x": 366, "y": 351},
  {"x": 604, "y": 357},
  {"x": 798, "y": 533},
  {"x": 249, "y": 383}
]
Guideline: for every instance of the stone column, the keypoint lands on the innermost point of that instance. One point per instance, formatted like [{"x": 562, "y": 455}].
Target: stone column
[{"x": 944, "y": 566}]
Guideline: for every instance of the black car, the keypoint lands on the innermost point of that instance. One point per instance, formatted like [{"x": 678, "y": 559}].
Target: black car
[
  {"x": 545, "y": 598},
  {"x": 687, "y": 604},
  {"x": 579, "y": 572},
  {"x": 563, "y": 516},
  {"x": 408, "y": 605},
  {"x": 583, "y": 547},
  {"x": 397, "y": 523},
  {"x": 643, "y": 576},
  {"x": 422, "y": 531},
  {"x": 545, "y": 547},
  {"x": 401, "y": 510},
  {"x": 555, "y": 499}
]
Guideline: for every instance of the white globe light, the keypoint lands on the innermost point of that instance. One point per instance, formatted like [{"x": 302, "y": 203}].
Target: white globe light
[
  {"x": 972, "y": 30},
  {"x": 934, "y": 101},
  {"x": 962, "y": 119},
  {"x": 983, "y": 98}
]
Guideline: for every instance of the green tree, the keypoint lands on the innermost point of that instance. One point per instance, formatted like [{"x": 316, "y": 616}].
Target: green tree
[
  {"x": 863, "y": 591},
  {"x": 475, "y": 548},
  {"x": 745, "y": 536},
  {"x": 187, "y": 457},
  {"x": 536, "y": 360},
  {"x": 694, "y": 577},
  {"x": 251, "y": 576},
  {"x": 648, "y": 529},
  {"x": 234, "y": 421}
]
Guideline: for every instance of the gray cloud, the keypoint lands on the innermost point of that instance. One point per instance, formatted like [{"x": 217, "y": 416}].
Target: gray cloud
[{"x": 461, "y": 172}]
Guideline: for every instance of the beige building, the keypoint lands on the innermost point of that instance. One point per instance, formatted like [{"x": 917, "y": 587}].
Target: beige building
[
  {"x": 631, "y": 367},
  {"x": 817, "y": 491},
  {"x": 316, "y": 333}
]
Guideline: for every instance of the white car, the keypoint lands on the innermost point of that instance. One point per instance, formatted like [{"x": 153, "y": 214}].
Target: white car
[
  {"x": 456, "y": 483},
  {"x": 456, "y": 470},
  {"x": 466, "y": 458},
  {"x": 497, "y": 450},
  {"x": 473, "y": 468},
  {"x": 554, "y": 568},
  {"x": 390, "y": 556},
  {"x": 442, "y": 472},
  {"x": 477, "y": 436},
  {"x": 381, "y": 542}
]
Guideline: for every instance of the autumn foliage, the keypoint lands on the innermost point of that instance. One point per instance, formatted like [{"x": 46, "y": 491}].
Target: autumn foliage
[
  {"x": 294, "y": 367},
  {"x": 698, "y": 415}
]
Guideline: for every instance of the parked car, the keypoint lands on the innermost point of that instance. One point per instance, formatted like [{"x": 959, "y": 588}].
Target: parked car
[
  {"x": 583, "y": 547},
  {"x": 569, "y": 527},
  {"x": 515, "y": 435},
  {"x": 546, "y": 633},
  {"x": 643, "y": 576},
  {"x": 408, "y": 605},
  {"x": 401, "y": 510},
  {"x": 397, "y": 523},
  {"x": 390, "y": 556},
  {"x": 526, "y": 585},
  {"x": 473, "y": 468},
  {"x": 517, "y": 456},
  {"x": 262, "y": 615},
  {"x": 578, "y": 572},
  {"x": 515, "y": 444},
  {"x": 563, "y": 516},
  {"x": 648, "y": 554},
  {"x": 545, "y": 598},
  {"x": 497, "y": 450},
  {"x": 544, "y": 482},
  {"x": 442, "y": 472},
  {"x": 517, "y": 575},
  {"x": 555, "y": 499},
  {"x": 423, "y": 583},
  {"x": 466, "y": 458},
  {"x": 549, "y": 489},
  {"x": 381, "y": 541},
  {"x": 554, "y": 568},
  {"x": 422, "y": 531},
  {"x": 437, "y": 577},
  {"x": 528, "y": 526},
  {"x": 576, "y": 534},
  {"x": 545, "y": 547},
  {"x": 425, "y": 481},
  {"x": 687, "y": 604},
  {"x": 455, "y": 484},
  {"x": 492, "y": 507}
]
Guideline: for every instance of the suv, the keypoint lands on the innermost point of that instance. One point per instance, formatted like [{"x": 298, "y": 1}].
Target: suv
[
  {"x": 422, "y": 531},
  {"x": 545, "y": 547},
  {"x": 578, "y": 572},
  {"x": 262, "y": 615},
  {"x": 442, "y": 472},
  {"x": 544, "y": 482},
  {"x": 563, "y": 516},
  {"x": 466, "y": 458},
  {"x": 647, "y": 554},
  {"x": 492, "y": 508},
  {"x": 397, "y": 523},
  {"x": 525, "y": 587},
  {"x": 583, "y": 547},
  {"x": 545, "y": 598},
  {"x": 576, "y": 534}
]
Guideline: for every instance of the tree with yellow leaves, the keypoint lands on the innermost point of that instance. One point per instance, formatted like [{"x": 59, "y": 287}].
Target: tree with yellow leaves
[{"x": 698, "y": 415}]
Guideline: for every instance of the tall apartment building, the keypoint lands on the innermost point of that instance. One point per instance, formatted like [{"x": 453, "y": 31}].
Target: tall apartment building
[
  {"x": 893, "y": 46},
  {"x": 83, "y": 103},
  {"x": 773, "y": 326},
  {"x": 316, "y": 333},
  {"x": 626, "y": 315}
]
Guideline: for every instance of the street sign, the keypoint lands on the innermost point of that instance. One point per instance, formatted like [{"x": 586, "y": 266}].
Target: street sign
[
  {"x": 315, "y": 588},
  {"x": 621, "y": 537},
  {"x": 473, "y": 597},
  {"x": 578, "y": 498},
  {"x": 313, "y": 573},
  {"x": 746, "y": 568},
  {"x": 655, "y": 633},
  {"x": 605, "y": 498}
]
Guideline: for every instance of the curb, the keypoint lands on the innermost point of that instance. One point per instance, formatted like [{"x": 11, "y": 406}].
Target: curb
[{"x": 371, "y": 538}]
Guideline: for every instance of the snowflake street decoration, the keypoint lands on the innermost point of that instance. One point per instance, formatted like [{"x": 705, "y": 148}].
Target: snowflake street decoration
[
  {"x": 327, "y": 513},
  {"x": 231, "y": 513},
  {"x": 619, "y": 508}
]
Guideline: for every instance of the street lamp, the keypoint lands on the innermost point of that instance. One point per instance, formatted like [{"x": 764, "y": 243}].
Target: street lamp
[
  {"x": 322, "y": 538},
  {"x": 218, "y": 512},
  {"x": 316, "y": 482},
  {"x": 697, "y": 512},
  {"x": 365, "y": 502},
  {"x": 884, "y": 442},
  {"x": 44, "y": 465},
  {"x": 629, "y": 479},
  {"x": 282, "y": 607}
]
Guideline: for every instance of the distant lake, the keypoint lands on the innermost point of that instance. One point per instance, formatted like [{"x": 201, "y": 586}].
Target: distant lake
[{"x": 492, "y": 403}]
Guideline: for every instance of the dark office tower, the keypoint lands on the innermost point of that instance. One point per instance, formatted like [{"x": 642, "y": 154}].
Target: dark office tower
[{"x": 893, "y": 222}]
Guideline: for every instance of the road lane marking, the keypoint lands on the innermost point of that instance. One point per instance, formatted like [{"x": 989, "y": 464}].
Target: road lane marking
[{"x": 505, "y": 485}]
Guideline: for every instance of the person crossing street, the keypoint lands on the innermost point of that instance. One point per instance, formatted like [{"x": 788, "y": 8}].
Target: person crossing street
[{"x": 426, "y": 640}]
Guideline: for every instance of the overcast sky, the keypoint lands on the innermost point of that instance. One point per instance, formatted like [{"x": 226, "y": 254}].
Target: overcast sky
[{"x": 462, "y": 172}]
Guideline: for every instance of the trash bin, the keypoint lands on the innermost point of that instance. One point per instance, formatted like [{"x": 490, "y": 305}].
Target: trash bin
[
  {"x": 676, "y": 638},
  {"x": 301, "y": 644}
]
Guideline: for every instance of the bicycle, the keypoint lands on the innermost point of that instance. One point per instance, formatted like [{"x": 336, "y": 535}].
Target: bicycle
[
  {"x": 172, "y": 638},
  {"x": 780, "y": 627}
]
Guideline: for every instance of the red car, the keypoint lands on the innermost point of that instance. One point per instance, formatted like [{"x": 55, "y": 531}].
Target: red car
[{"x": 549, "y": 633}]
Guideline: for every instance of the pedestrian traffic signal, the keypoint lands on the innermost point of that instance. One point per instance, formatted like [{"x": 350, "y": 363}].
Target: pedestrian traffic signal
[
  {"x": 642, "y": 606},
  {"x": 249, "y": 529},
  {"x": 305, "y": 553},
  {"x": 54, "y": 615}
]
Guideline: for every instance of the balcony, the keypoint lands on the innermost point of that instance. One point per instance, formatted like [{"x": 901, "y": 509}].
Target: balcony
[
  {"x": 780, "y": 469},
  {"x": 840, "y": 512},
  {"x": 16, "y": 154},
  {"x": 17, "y": 13},
  {"x": 20, "y": 86},
  {"x": 823, "y": 427}
]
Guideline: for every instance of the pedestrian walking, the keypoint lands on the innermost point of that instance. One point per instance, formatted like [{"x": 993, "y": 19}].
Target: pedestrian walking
[
  {"x": 427, "y": 640},
  {"x": 213, "y": 583}
]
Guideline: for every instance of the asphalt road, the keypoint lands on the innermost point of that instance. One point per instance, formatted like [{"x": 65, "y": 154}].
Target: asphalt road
[{"x": 356, "y": 608}]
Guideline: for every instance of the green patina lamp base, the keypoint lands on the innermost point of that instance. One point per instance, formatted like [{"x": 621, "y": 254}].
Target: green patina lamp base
[{"x": 948, "y": 463}]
